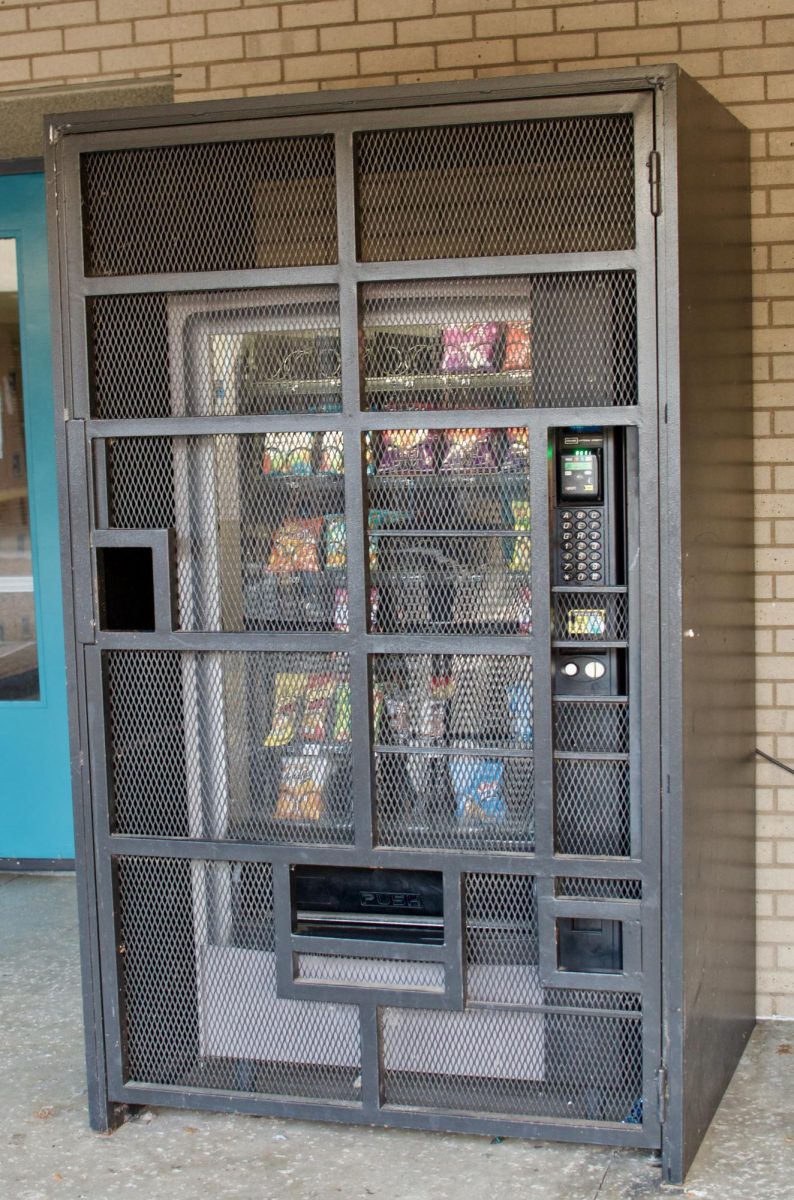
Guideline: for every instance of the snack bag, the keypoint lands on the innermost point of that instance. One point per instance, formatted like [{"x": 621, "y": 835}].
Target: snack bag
[
  {"x": 519, "y": 706},
  {"x": 288, "y": 692},
  {"x": 517, "y": 456},
  {"x": 378, "y": 700},
  {"x": 332, "y": 454},
  {"x": 341, "y": 615},
  {"x": 518, "y": 346},
  {"x": 302, "y": 788},
  {"x": 406, "y": 452},
  {"x": 468, "y": 450},
  {"x": 288, "y": 454},
  {"x": 295, "y": 546},
  {"x": 316, "y": 708},
  {"x": 342, "y": 713},
  {"x": 479, "y": 796},
  {"x": 520, "y": 559},
  {"x": 469, "y": 348},
  {"x": 335, "y": 541}
]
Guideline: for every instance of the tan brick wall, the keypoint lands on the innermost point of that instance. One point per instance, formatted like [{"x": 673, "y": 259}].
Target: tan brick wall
[{"x": 741, "y": 50}]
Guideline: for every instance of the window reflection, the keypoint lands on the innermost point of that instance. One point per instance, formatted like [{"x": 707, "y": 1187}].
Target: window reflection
[{"x": 19, "y": 674}]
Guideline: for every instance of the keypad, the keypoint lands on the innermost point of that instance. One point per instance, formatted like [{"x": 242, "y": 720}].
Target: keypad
[{"x": 581, "y": 545}]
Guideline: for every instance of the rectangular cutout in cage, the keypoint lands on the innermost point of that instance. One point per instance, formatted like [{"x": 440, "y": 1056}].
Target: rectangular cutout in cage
[
  {"x": 269, "y": 350},
  {"x": 449, "y": 531},
  {"x": 401, "y": 974},
  {"x": 454, "y": 799},
  {"x": 217, "y": 206},
  {"x": 198, "y": 981},
  {"x": 599, "y": 615},
  {"x": 230, "y": 746},
  {"x": 261, "y": 537},
  {"x": 553, "y": 186},
  {"x": 592, "y": 812}
]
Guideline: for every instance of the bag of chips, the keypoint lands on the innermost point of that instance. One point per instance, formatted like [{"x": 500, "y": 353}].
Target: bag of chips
[
  {"x": 479, "y": 795},
  {"x": 296, "y": 546},
  {"x": 406, "y": 452},
  {"x": 469, "y": 348},
  {"x": 518, "y": 346},
  {"x": 342, "y": 713},
  {"x": 519, "y": 706},
  {"x": 288, "y": 692},
  {"x": 288, "y": 454},
  {"x": 301, "y": 794},
  {"x": 335, "y": 541},
  {"x": 517, "y": 455},
  {"x": 468, "y": 450},
  {"x": 332, "y": 454},
  {"x": 316, "y": 708},
  {"x": 341, "y": 614},
  {"x": 520, "y": 559}
]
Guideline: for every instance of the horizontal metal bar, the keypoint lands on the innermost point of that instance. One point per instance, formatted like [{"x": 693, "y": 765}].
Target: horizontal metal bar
[
  {"x": 262, "y": 642},
  {"x": 404, "y": 643},
  {"x": 442, "y": 751},
  {"x": 205, "y": 281},
  {"x": 590, "y": 756},
  {"x": 369, "y": 948},
  {"x": 350, "y": 1113},
  {"x": 509, "y": 264},
  {"x": 429, "y": 858}
]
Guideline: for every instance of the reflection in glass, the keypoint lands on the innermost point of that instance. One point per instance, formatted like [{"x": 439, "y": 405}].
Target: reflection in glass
[{"x": 19, "y": 675}]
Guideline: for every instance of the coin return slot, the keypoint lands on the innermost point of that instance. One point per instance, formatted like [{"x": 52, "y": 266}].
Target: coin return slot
[{"x": 589, "y": 945}]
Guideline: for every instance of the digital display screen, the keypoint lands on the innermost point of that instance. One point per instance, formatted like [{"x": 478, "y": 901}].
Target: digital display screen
[{"x": 579, "y": 474}]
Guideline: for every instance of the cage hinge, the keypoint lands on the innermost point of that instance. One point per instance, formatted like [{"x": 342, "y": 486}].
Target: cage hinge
[
  {"x": 661, "y": 1094},
  {"x": 655, "y": 182}
]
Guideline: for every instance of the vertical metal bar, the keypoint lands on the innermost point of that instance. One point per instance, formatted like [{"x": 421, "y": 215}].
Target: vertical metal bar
[
  {"x": 540, "y": 641},
  {"x": 371, "y": 1059},
  {"x": 357, "y": 573}
]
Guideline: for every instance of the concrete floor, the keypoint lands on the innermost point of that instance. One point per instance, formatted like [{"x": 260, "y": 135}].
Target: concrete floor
[{"x": 48, "y": 1151}]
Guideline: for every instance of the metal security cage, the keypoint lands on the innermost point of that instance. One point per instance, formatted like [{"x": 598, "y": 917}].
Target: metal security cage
[{"x": 371, "y": 420}]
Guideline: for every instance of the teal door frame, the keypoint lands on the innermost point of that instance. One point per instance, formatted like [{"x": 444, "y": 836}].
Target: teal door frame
[{"x": 36, "y": 828}]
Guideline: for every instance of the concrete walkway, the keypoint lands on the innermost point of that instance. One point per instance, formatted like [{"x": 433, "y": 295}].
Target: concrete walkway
[{"x": 47, "y": 1150}]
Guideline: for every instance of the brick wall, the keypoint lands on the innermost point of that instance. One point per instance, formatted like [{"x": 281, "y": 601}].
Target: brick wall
[{"x": 741, "y": 50}]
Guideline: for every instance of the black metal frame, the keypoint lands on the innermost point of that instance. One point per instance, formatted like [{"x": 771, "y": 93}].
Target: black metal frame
[{"x": 645, "y": 93}]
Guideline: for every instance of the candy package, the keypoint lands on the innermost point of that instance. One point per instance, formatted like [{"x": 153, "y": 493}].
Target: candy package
[
  {"x": 342, "y": 713},
  {"x": 479, "y": 794},
  {"x": 520, "y": 558},
  {"x": 518, "y": 346},
  {"x": 378, "y": 699},
  {"x": 525, "y": 610},
  {"x": 335, "y": 541},
  {"x": 519, "y": 706},
  {"x": 301, "y": 793},
  {"x": 341, "y": 616},
  {"x": 317, "y": 708},
  {"x": 332, "y": 454},
  {"x": 288, "y": 692},
  {"x": 469, "y": 348},
  {"x": 517, "y": 455},
  {"x": 296, "y": 546},
  {"x": 468, "y": 450},
  {"x": 406, "y": 452},
  {"x": 288, "y": 454}
]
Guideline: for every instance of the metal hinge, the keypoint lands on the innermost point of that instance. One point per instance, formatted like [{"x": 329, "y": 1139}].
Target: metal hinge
[
  {"x": 661, "y": 1094},
  {"x": 655, "y": 181}
]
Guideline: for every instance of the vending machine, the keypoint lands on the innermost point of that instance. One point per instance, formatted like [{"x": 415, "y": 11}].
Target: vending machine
[{"x": 399, "y": 569}]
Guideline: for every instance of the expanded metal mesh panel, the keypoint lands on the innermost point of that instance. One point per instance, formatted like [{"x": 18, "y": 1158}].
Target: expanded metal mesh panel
[
  {"x": 454, "y": 800},
  {"x": 199, "y": 990},
  {"x": 599, "y": 889},
  {"x": 273, "y": 350},
  {"x": 501, "y": 342},
  {"x": 584, "y": 998},
  {"x": 259, "y": 520},
  {"x": 210, "y": 207},
  {"x": 501, "y": 187},
  {"x": 501, "y": 939},
  {"x": 596, "y": 616},
  {"x": 592, "y": 812},
  {"x": 556, "y": 1064},
  {"x": 251, "y": 746},
  {"x": 473, "y": 701},
  {"x": 449, "y": 538},
  {"x": 385, "y": 972},
  {"x": 592, "y": 726}
]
